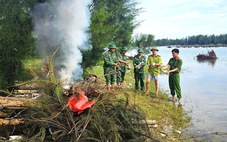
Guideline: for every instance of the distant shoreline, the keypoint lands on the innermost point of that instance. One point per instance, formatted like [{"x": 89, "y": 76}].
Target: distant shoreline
[{"x": 197, "y": 46}]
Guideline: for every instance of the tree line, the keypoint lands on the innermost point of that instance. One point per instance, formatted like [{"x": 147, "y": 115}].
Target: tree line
[
  {"x": 111, "y": 21},
  {"x": 193, "y": 40}
]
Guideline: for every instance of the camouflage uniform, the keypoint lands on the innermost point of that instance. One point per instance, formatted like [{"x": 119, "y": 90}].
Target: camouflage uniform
[
  {"x": 109, "y": 69},
  {"x": 123, "y": 67},
  {"x": 139, "y": 73},
  {"x": 118, "y": 69}
]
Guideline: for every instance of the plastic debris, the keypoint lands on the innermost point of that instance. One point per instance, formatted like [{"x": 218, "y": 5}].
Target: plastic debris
[
  {"x": 79, "y": 103},
  {"x": 15, "y": 138},
  {"x": 179, "y": 132}
]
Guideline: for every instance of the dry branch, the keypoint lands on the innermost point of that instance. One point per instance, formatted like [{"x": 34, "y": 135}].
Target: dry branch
[
  {"x": 16, "y": 103},
  {"x": 13, "y": 122},
  {"x": 25, "y": 91},
  {"x": 3, "y": 114}
]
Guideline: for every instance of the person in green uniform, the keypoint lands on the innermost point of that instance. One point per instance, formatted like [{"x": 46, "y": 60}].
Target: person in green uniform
[
  {"x": 122, "y": 67},
  {"x": 174, "y": 66},
  {"x": 139, "y": 62},
  {"x": 154, "y": 62},
  {"x": 110, "y": 63}
]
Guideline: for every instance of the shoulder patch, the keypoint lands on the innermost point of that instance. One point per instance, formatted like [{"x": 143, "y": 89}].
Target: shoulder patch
[{"x": 179, "y": 59}]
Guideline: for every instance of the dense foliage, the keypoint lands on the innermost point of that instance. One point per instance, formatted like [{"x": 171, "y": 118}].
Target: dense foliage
[
  {"x": 16, "y": 40},
  {"x": 112, "y": 21},
  {"x": 143, "y": 40},
  {"x": 192, "y": 40}
]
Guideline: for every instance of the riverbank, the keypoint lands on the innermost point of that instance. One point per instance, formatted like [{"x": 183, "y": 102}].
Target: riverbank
[
  {"x": 203, "y": 85},
  {"x": 170, "y": 118}
]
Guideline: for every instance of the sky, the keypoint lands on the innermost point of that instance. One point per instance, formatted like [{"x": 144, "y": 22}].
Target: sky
[{"x": 181, "y": 18}]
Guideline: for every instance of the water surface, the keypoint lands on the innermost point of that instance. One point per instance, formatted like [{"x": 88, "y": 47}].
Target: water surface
[{"x": 204, "y": 89}]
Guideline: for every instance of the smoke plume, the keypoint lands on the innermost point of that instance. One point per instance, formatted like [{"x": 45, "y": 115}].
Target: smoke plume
[{"x": 62, "y": 24}]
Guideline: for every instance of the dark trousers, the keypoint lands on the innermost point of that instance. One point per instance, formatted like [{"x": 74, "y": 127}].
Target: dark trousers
[
  {"x": 122, "y": 76},
  {"x": 119, "y": 77},
  {"x": 139, "y": 79}
]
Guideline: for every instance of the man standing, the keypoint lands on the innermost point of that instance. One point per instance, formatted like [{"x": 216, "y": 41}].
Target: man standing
[
  {"x": 139, "y": 62},
  {"x": 122, "y": 68},
  {"x": 110, "y": 64},
  {"x": 175, "y": 65},
  {"x": 154, "y": 61}
]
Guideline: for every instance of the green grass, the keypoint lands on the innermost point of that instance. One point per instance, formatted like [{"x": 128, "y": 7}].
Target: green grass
[
  {"x": 169, "y": 117},
  {"x": 34, "y": 64},
  {"x": 30, "y": 66}
]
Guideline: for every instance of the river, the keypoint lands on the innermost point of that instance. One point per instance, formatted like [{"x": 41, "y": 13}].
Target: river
[{"x": 204, "y": 88}]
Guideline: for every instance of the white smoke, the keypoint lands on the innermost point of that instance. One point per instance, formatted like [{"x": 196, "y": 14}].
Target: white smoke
[{"x": 63, "y": 23}]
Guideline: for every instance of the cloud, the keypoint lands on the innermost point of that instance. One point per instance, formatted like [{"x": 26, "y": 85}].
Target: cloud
[
  {"x": 197, "y": 15},
  {"x": 187, "y": 15},
  {"x": 181, "y": 18}
]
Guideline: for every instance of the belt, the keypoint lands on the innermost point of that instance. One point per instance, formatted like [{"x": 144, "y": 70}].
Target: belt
[{"x": 174, "y": 73}]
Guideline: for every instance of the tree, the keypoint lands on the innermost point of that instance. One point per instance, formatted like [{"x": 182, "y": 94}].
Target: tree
[
  {"x": 112, "y": 21},
  {"x": 144, "y": 40},
  {"x": 124, "y": 19},
  {"x": 16, "y": 39}
]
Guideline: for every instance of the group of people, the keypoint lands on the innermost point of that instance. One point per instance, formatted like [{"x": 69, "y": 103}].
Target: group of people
[{"x": 115, "y": 66}]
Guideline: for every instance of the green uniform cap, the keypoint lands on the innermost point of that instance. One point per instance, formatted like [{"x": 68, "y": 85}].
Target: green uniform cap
[
  {"x": 124, "y": 49},
  {"x": 154, "y": 48},
  {"x": 140, "y": 50},
  {"x": 112, "y": 46}
]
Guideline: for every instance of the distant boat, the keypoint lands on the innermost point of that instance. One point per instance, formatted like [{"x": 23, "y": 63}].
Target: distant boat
[
  {"x": 169, "y": 46},
  {"x": 211, "y": 55}
]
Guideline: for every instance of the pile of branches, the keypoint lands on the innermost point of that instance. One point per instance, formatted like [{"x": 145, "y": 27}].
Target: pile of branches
[
  {"x": 211, "y": 55},
  {"x": 109, "y": 119}
]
